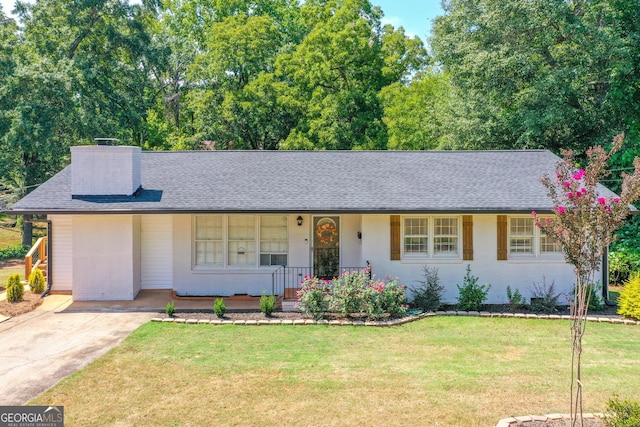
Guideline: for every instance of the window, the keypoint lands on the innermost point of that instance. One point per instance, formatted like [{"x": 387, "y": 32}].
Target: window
[
  {"x": 445, "y": 236},
  {"x": 526, "y": 239},
  {"x": 209, "y": 243},
  {"x": 240, "y": 240},
  {"x": 431, "y": 236},
  {"x": 521, "y": 236},
  {"x": 273, "y": 240},
  {"x": 548, "y": 245},
  {"x": 415, "y": 236}
]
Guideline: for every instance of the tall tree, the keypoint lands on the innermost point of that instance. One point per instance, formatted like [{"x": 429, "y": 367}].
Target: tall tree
[
  {"x": 529, "y": 74},
  {"x": 109, "y": 45},
  {"x": 414, "y": 113},
  {"x": 337, "y": 71}
]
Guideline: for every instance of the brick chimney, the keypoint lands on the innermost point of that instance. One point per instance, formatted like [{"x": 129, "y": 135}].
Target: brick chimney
[{"x": 105, "y": 170}]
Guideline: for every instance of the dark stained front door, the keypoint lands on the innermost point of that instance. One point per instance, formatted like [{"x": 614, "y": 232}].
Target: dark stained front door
[{"x": 326, "y": 246}]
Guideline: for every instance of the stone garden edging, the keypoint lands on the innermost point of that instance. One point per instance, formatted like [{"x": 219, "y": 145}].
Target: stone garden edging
[
  {"x": 524, "y": 420},
  {"x": 392, "y": 322}
]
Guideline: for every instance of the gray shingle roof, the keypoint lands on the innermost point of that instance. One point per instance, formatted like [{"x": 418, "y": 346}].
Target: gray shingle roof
[{"x": 319, "y": 181}]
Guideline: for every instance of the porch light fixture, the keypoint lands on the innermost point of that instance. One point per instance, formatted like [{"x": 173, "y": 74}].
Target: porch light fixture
[
  {"x": 299, "y": 219},
  {"x": 359, "y": 234}
]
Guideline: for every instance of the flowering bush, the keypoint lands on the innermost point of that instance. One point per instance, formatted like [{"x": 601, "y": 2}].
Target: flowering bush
[
  {"x": 352, "y": 293},
  {"x": 584, "y": 224},
  {"x": 313, "y": 297}
]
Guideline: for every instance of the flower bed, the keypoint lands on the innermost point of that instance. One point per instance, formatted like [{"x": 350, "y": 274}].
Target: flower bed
[{"x": 353, "y": 294}]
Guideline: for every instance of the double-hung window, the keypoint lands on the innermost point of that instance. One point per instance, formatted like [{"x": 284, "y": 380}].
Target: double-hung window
[
  {"x": 273, "y": 240},
  {"x": 431, "y": 237},
  {"x": 525, "y": 239},
  {"x": 209, "y": 247},
  {"x": 240, "y": 240},
  {"x": 416, "y": 237}
]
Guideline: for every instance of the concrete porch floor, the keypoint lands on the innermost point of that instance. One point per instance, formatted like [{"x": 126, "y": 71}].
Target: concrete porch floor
[{"x": 156, "y": 301}]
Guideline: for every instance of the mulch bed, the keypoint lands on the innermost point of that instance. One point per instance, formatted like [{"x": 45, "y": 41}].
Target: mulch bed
[{"x": 30, "y": 302}]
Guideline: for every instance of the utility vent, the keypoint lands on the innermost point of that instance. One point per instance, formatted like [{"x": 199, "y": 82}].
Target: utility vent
[
  {"x": 106, "y": 141},
  {"x": 105, "y": 170}
]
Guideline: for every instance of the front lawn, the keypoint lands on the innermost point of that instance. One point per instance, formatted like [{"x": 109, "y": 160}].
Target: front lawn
[{"x": 444, "y": 371}]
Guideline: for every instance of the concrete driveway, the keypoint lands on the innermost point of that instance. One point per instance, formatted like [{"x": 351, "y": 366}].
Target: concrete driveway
[{"x": 40, "y": 348}]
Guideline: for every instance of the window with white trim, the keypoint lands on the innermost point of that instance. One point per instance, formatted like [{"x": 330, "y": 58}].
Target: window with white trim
[
  {"x": 209, "y": 241},
  {"x": 415, "y": 236},
  {"x": 521, "y": 236},
  {"x": 525, "y": 239},
  {"x": 431, "y": 237},
  {"x": 273, "y": 240},
  {"x": 240, "y": 240},
  {"x": 445, "y": 236}
]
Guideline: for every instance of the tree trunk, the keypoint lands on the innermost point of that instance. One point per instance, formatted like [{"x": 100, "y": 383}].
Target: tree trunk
[{"x": 27, "y": 231}]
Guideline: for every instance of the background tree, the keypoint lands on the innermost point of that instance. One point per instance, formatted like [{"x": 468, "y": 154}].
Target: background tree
[{"x": 535, "y": 74}]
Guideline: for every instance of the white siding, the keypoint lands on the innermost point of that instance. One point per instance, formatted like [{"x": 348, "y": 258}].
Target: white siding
[
  {"x": 61, "y": 252},
  {"x": 156, "y": 252},
  {"x": 519, "y": 274}
]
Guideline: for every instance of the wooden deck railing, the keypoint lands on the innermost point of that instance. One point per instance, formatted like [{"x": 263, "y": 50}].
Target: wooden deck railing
[{"x": 37, "y": 255}]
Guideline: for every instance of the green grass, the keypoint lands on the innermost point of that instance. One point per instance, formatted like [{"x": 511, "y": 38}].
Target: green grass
[{"x": 445, "y": 371}]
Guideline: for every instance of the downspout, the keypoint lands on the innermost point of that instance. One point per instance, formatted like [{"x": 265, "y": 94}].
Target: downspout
[
  {"x": 49, "y": 267},
  {"x": 605, "y": 279}
]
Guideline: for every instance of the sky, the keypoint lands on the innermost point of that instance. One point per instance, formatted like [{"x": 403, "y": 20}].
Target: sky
[{"x": 415, "y": 16}]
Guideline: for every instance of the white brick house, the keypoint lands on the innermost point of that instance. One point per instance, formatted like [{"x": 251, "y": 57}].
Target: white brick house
[{"x": 209, "y": 223}]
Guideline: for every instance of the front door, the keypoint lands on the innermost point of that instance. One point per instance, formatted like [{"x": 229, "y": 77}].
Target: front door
[{"x": 326, "y": 246}]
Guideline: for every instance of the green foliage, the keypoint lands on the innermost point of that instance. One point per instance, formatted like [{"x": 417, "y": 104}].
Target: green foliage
[
  {"x": 538, "y": 74},
  {"x": 219, "y": 307},
  {"x": 15, "y": 288},
  {"x": 352, "y": 294},
  {"x": 515, "y": 298},
  {"x": 629, "y": 299},
  {"x": 623, "y": 262},
  {"x": 544, "y": 297},
  {"x": 313, "y": 297},
  {"x": 594, "y": 293},
  {"x": 428, "y": 295},
  {"x": 36, "y": 281},
  {"x": 471, "y": 296},
  {"x": 267, "y": 304},
  {"x": 15, "y": 251},
  {"x": 622, "y": 413},
  {"x": 170, "y": 308}
]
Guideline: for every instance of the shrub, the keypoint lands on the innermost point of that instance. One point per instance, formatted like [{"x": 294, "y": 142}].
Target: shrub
[
  {"x": 622, "y": 413},
  {"x": 629, "y": 299},
  {"x": 351, "y": 293},
  {"x": 386, "y": 297},
  {"x": 15, "y": 251},
  {"x": 170, "y": 309},
  {"x": 516, "y": 300},
  {"x": 313, "y": 297},
  {"x": 544, "y": 298},
  {"x": 15, "y": 288},
  {"x": 596, "y": 301},
  {"x": 36, "y": 281},
  {"x": 267, "y": 304},
  {"x": 471, "y": 295},
  {"x": 623, "y": 262},
  {"x": 219, "y": 308},
  {"x": 427, "y": 296}
]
